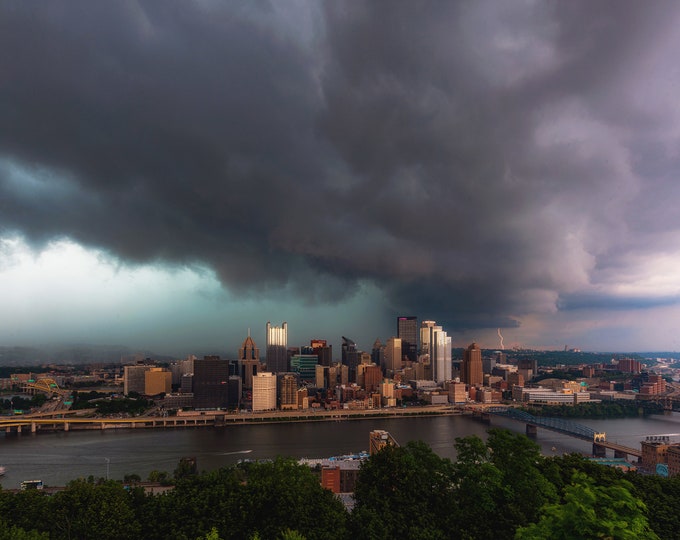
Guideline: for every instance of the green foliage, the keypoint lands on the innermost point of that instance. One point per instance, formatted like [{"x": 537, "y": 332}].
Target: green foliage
[
  {"x": 17, "y": 533},
  {"x": 404, "y": 492},
  {"x": 605, "y": 409},
  {"x": 501, "y": 477},
  {"x": 591, "y": 511},
  {"x": 86, "y": 510},
  {"x": 495, "y": 489}
]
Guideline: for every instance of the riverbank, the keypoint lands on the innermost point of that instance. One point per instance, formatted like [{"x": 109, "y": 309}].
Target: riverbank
[{"x": 37, "y": 424}]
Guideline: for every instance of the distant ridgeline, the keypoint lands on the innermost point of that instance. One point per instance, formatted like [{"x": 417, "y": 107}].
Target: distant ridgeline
[{"x": 552, "y": 358}]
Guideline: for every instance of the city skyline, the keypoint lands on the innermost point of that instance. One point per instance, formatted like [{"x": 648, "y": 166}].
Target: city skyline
[{"x": 172, "y": 174}]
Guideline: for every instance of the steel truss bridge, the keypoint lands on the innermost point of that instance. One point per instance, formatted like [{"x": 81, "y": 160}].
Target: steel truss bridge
[{"x": 566, "y": 427}]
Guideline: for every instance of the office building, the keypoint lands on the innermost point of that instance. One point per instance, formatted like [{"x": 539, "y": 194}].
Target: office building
[
  {"x": 393, "y": 356},
  {"x": 378, "y": 353},
  {"x": 277, "y": 348},
  {"x": 407, "y": 331},
  {"x": 211, "y": 383},
  {"x": 134, "y": 378},
  {"x": 304, "y": 365},
  {"x": 264, "y": 391},
  {"x": 435, "y": 352},
  {"x": 157, "y": 381},
  {"x": 471, "y": 371},
  {"x": 248, "y": 361},
  {"x": 350, "y": 357},
  {"x": 287, "y": 389},
  {"x": 324, "y": 351}
]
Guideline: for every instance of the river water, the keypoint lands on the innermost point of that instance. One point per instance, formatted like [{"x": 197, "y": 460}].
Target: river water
[{"x": 56, "y": 458}]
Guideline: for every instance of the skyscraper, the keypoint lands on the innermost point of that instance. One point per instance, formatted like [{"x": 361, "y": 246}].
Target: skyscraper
[
  {"x": 277, "y": 348},
  {"x": 249, "y": 361},
  {"x": 436, "y": 352},
  {"x": 324, "y": 351},
  {"x": 471, "y": 371},
  {"x": 264, "y": 392},
  {"x": 211, "y": 383},
  {"x": 350, "y": 357},
  {"x": 393, "y": 356},
  {"x": 407, "y": 330}
]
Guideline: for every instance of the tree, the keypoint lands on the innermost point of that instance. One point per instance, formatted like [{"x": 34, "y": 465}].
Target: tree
[
  {"x": 11, "y": 532},
  {"x": 592, "y": 512},
  {"x": 85, "y": 510},
  {"x": 404, "y": 492},
  {"x": 519, "y": 460}
]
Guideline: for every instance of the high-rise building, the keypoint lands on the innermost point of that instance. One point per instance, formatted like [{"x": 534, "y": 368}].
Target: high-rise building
[
  {"x": 157, "y": 381},
  {"x": 211, "y": 383},
  {"x": 249, "y": 350},
  {"x": 277, "y": 348},
  {"x": 324, "y": 351},
  {"x": 134, "y": 378},
  {"x": 407, "y": 330},
  {"x": 350, "y": 357},
  {"x": 378, "y": 353},
  {"x": 393, "y": 356},
  {"x": 288, "y": 387},
  {"x": 249, "y": 362},
  {"x": 471, "y": 371},
  {"x": 305, "y": 366},
  {"x": 436, "y": 352},
  {"x": 264, "y": 391}
]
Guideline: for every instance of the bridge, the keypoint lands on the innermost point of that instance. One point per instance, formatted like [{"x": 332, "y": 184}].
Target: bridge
[{"x": 566, "y": 427}]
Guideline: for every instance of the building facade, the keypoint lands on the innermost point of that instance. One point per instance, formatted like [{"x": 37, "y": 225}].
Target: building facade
[
  {"x": 264, "y": 391},
  {"x": 211, "y": 383},
  {"x": 471, "y": 371},
  {"x": 407, "y": 331},
  {"x": 277, "y": 348}
]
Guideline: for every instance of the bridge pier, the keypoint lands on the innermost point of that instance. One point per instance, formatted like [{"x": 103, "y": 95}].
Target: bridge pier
[
  {"x": 34, "y": 427},
  {"x": 66, "y": 426},
  {"x": 599, "y": 451},
  {"x": 531, "y": 430}
]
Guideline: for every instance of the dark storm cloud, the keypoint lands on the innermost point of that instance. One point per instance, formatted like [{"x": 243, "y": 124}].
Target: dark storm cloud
[{"x": 477, "y": 161}]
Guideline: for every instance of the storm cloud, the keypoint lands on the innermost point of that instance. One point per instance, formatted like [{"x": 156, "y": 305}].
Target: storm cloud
[{"x": 477, "y": 162}]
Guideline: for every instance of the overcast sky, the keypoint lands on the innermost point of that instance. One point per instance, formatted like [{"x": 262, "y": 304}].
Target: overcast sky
[{"x": 173, "y": 173}]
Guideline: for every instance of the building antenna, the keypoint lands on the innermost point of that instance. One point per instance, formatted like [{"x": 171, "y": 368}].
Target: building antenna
[{"x": 501, "y": 338}]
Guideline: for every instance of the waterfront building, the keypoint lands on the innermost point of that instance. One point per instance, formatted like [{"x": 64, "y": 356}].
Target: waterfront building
[
  {"x": 471, "y": 371},
  {"x": 264, "y": 391},
  {"x": 379, "y": 439},
  {"x": 457, "y": 392},
  {"x": 655, "y": 452},
  {"x": 235, "y": 391},
  {"x": 277, "y": 347},
  {"x": 673, "y": 458},
  {"x": 248, "y": 361},
  {"x": 157, "y": 381},
  {"x": 288, "y": 387},
  {"x": 407, "y": 331},
  {"x": 211, "y": 383}
]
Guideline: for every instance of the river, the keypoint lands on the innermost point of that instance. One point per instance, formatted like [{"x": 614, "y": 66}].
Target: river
[{"x": 55, "y": 458}]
